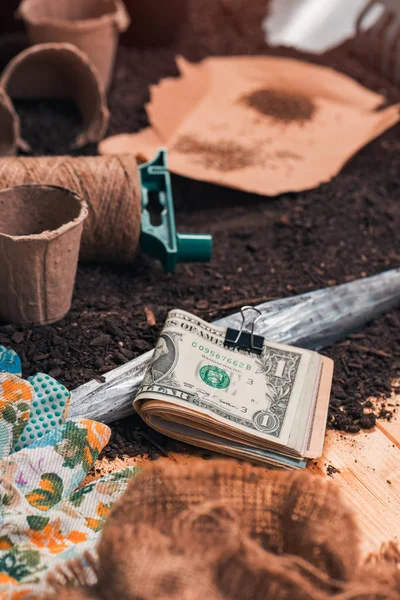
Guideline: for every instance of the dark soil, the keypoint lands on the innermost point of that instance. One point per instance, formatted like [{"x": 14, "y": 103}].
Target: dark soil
[
  {"x": 264, "y": 247},
  {"x": 331, "y": 470}
]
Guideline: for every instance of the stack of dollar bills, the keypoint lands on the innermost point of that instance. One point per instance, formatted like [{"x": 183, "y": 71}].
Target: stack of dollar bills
[{"x": 270, "y": 407}]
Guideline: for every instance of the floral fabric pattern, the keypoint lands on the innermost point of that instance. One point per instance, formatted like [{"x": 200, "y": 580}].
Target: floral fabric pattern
[
  {"x": 9, "y": 361},
  {"x": 16, "y": 397},
  {"x": 46, "y": 519}
]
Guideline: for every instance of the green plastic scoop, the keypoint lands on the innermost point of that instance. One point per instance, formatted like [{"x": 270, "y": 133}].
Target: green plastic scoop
[{"x": 161, "y": 240}]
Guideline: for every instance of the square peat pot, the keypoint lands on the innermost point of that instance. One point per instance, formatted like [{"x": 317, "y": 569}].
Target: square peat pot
[{"x": 40, "y": 235}]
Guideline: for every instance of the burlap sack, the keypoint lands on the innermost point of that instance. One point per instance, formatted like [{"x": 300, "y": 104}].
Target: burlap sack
[{"x": 221, "y": 530}]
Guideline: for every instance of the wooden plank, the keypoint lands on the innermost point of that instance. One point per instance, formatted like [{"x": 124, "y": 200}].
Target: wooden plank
[
  {"x": 369, "y": 478},
  {"x": 392, "y": 428}
]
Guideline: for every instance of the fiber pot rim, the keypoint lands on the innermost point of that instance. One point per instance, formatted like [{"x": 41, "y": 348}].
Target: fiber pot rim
[
  {"x": 48, "y": 235},
  {"x": 95, "y": 121},
  {"x": 119, "y": 16},
  {"x": 7, "y": 106}
]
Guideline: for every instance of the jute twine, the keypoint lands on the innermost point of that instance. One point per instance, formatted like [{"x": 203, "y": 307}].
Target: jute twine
[{"x": 110, "y": 186}]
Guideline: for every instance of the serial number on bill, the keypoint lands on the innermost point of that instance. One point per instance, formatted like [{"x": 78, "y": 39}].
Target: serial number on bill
[{"x": 226, "y": 359}]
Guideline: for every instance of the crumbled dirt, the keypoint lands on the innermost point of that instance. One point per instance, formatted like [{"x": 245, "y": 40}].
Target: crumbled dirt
[
  {"x": 38, "y": 119},
  {"x": 281, "y": 105},
  {"x": 331, "y": 470},
  {"x": 264, "y": 248},
  {"x": 223, "y": 155}
]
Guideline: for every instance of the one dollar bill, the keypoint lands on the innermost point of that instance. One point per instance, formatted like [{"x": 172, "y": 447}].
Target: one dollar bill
[{"x": 262, "y": 407}]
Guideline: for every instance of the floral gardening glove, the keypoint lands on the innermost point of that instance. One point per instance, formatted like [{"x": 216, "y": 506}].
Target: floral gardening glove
[
  {"x": 9, "y": 361},
  {"x": 28, "y": 409},
  {"x": 44, "y": 519}
]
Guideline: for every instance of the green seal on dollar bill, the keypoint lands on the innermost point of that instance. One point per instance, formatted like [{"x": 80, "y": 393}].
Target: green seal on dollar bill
[{"x": 215, "y": 377}]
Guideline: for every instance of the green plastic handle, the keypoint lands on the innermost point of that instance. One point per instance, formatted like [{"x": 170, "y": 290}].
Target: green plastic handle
[{"x": 162, "y": 241}]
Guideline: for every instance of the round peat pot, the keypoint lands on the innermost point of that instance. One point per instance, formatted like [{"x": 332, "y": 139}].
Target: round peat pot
[
  {"x": 154, "y": 22},
  {"x": 60, "y": 70},
  {"x": 40, "y": 234},
  {"x": 91, "y": 25}
]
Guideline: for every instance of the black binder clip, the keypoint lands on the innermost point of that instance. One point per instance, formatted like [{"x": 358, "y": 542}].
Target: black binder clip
[{"x": 243, "y": 339}]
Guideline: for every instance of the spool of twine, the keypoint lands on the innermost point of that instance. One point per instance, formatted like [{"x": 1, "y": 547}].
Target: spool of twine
[{"x": 110, "y": 186}]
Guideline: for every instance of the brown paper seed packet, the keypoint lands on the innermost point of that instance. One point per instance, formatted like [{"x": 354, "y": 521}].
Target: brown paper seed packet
[{"x": 261, "y": 124}]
